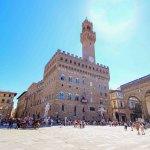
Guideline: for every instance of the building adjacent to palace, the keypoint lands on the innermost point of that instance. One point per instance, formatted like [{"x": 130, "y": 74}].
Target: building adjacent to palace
[
  {"x": 21, "y": 105},
  {"x": 73, "y": 87},
  {"x": 132, "y": 101},
  {"x": 6, "y": 103}
]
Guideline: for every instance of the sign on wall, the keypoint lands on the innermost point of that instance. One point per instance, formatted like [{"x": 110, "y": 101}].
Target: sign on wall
[{"x": 84, "y": 100}]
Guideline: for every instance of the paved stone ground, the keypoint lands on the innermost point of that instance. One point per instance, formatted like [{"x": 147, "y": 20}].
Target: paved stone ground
[{"x": 70, "y": 138}]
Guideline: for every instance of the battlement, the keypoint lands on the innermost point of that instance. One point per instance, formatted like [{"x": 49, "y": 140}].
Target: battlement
[{"x": 80, "y": 58}]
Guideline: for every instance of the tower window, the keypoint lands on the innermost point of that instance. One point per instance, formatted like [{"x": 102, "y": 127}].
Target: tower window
[
  {"x": 88, "y": 28},
  {"x": 70, "y": 61},
  {"x": 83, "y": 28}
]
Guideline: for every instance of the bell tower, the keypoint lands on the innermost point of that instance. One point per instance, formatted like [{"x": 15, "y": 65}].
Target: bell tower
[{"x": 88, "y": 38}]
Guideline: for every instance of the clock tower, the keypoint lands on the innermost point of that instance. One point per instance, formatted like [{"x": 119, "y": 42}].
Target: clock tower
[{"x": 88, "y": 38}]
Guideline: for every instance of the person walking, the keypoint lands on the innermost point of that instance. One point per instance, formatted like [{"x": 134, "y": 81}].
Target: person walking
[
  {"x": 131, "y": 125},
  {"x": 10, "y": 123},
  {"x": 142, "y": 128},
  {"x": 137, "y": 126},
  {"x": 125, "y": 126}
]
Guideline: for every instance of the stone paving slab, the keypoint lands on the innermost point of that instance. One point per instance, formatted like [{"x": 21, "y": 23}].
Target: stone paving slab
[{"x": 70, "y": 138}]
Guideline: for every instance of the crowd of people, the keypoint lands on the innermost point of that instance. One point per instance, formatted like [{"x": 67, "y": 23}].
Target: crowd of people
[
  {"x": 17, "y": 123},
  {"x": 36, "y": 122},
  {"x": 137, "y": 125}
]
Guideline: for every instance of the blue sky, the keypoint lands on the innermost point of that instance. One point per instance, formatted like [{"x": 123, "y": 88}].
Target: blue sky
[{"x": 32, "y": 31}]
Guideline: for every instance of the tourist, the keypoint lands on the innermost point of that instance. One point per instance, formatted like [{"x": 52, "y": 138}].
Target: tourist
[
  {"x": 46, "y": 120},
  {"x": 137, "y": 126},
  {"x": 52, "y": 122},
  {"x": 10, "y": 123},
  {"x": 84, "y": 123},
  {"x": 125, "y": 126},
  {"x": 142, "y": 128},
  {"x": 110, "y": 123},
  {"x": 75, "y": 123},
  {"x": 18, "y": 123},
  {"x": 131, "y": 125}
]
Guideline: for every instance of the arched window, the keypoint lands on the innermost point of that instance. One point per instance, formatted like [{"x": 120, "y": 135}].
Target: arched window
[
  {"x": 69, "y": 96},
  {"x": 77, "y": 97},
  {"x": 62, "y": 77},
  {"x": 70, "y": 79},
  {"x": 88, "y": 28},
  {"x": 61, "y": 95},
  {"x": 77, "y": 80}
]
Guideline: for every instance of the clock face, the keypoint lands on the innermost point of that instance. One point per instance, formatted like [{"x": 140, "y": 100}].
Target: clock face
[{"x": 91, "y": 59}]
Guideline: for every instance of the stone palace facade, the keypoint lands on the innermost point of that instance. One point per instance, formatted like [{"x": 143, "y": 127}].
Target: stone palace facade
[{"x": 73, "y": 87}]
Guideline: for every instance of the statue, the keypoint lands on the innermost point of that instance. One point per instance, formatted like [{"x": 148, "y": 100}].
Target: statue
[{"x": 47, "y": 107}]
